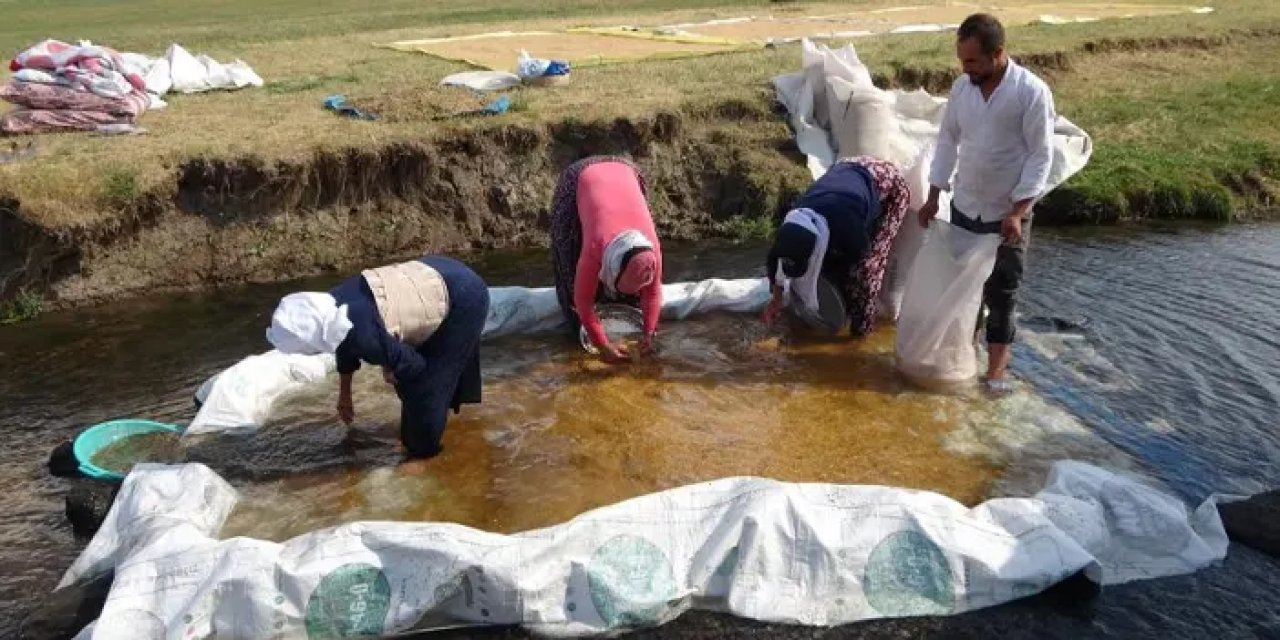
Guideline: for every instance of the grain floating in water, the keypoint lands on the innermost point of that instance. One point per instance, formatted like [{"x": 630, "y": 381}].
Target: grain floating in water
[{"x": 121, "y": 455}]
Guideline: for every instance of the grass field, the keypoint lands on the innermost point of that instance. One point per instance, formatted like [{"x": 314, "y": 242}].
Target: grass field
[
  {"x": 1181, "y": 113},
  {"x": 1183, "y": 109}
]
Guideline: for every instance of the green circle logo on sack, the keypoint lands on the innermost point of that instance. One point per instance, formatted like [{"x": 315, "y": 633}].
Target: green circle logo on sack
[
  {"x": 908, "y": 575},
  {"x": 352, "y": 601},
  {"x": 630, "y": 581}
]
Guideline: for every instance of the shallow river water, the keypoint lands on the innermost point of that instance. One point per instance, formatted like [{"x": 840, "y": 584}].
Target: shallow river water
[{"x": 1162, "y": 363}]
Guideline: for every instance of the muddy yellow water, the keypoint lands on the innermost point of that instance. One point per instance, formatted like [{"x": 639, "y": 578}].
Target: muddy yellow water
[{"x": 559, "y": 433}]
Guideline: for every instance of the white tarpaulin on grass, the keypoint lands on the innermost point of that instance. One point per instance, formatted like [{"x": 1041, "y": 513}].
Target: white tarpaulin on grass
[
  {"x": 816, "y": 99},
  {"x": 810, "y": 554},
  {"x": 240, "y": 398}
]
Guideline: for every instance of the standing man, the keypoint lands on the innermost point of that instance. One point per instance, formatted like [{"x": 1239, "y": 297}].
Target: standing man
[{"x": 997, "y": 139}]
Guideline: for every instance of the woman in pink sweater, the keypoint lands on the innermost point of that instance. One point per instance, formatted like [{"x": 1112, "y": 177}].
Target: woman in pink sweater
[{"x": 604, "y": 248}]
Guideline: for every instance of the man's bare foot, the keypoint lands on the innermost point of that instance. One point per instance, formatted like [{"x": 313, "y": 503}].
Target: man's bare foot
[
  {"x": 415, "y": 467},
  {"x": 999, "y": 385}
]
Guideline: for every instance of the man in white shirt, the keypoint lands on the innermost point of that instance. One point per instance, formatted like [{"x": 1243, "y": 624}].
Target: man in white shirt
[{"x": 997, "y": 139}]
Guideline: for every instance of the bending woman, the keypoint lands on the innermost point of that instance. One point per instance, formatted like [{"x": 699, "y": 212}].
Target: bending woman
[
  {"x": 842, "y": 228},
  {"x": 604, "y": 248},
  {"x": 419, "y": 320}
]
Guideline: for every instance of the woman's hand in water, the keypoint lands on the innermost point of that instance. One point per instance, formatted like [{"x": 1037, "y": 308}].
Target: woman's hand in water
[
  {"x": 646, "y": 345},
  {"x": 346, "y": 408},
  {"x": 774, "y": 309},
  {"x": 614, "y": 354}
]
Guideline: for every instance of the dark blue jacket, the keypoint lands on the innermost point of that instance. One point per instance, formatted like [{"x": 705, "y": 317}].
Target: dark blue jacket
[{"x": 847, "y": 198}]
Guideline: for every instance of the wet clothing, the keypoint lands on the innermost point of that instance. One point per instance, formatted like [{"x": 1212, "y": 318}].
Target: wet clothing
[
  {"x": 442, "y": 373},
  {"x": 596, "y": 200},
  {"x": 1000, "y": 293},
  {"x": 864, "y": 201}
]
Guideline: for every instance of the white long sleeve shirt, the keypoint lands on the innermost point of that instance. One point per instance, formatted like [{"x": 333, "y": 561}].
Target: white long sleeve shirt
[{"x": 1003, "y": 145}]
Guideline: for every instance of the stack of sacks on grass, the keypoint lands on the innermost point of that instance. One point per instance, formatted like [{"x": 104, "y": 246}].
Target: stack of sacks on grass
[
  {"x": 86, "y": 87},
  {"x": 62, "y": 87}
]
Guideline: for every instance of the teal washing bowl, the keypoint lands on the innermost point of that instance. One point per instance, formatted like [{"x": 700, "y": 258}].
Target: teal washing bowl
[{"x": 96, "y": 438}]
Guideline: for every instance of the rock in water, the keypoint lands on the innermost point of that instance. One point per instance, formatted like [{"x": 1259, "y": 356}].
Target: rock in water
[{"x": 1254, "y": 522}]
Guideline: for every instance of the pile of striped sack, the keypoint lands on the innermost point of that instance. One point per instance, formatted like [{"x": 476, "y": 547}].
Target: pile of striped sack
[{"x": 60, "y": 87}]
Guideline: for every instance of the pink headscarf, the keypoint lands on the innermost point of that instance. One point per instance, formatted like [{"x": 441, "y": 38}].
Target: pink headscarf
[{"x": 639, "y": 273}]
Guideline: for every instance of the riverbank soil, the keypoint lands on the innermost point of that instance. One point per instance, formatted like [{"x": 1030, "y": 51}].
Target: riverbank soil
[{"x": 264, "y": 184}]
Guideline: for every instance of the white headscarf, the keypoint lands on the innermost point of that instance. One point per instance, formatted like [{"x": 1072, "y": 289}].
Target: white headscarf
[
  {"x": 308, "y": 324},
  {"x": 806, "y": 286},
  {"x": 615, "y": 251}
]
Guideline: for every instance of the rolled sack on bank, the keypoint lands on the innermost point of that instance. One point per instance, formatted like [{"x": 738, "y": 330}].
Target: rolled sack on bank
[{"x": 810, "y": 554}]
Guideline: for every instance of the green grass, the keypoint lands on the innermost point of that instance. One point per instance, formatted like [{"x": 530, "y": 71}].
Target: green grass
[
  {"x": 120, "y": 187},
  {"x": 1167, "y": 146},
  {"x": 309, "y": 83},
  {"x": 224, "y": 25},
  {"x": 747, "y": 229},
  {"x": 26, "y": 305}
]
